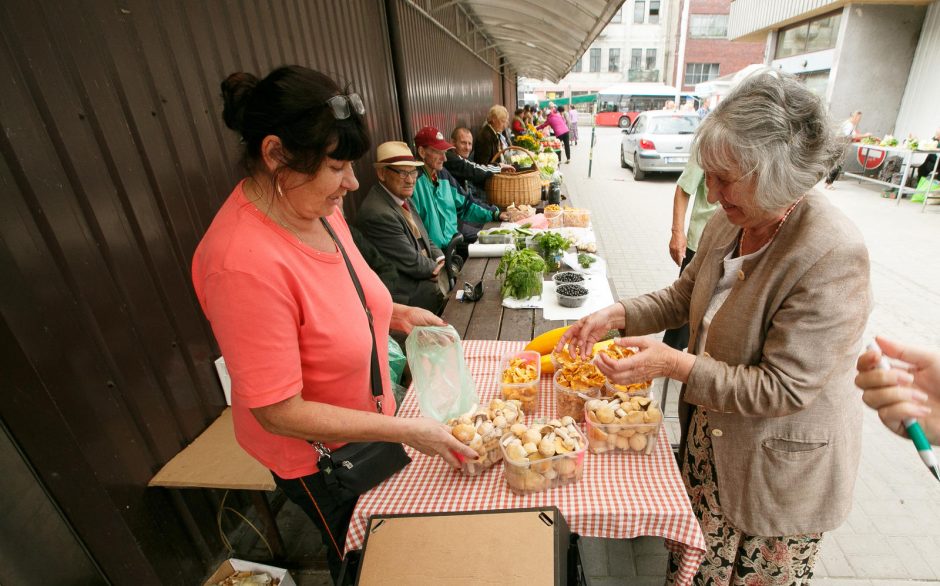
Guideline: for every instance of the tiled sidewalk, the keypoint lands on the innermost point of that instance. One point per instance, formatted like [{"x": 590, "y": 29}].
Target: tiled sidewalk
[{"x": 892, "y": 535}]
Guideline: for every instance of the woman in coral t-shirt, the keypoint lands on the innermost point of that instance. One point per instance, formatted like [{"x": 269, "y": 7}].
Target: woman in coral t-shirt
[{"x": 282, "y": 303}]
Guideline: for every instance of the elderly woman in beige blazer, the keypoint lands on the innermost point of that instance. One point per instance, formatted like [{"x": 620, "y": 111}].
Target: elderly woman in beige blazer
[{"x": 777, "y": 298}]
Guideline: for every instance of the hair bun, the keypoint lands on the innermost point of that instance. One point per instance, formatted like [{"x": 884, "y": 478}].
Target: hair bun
[{"x": 236, "y": 89}]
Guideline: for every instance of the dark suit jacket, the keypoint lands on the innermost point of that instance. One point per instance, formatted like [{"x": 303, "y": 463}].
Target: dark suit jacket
[
  {"x": 383, "y": 222},
  {"x": 485, "y": 145}
]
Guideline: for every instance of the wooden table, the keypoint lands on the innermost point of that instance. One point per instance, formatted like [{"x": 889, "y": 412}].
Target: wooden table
[{"x": 487, "y": 319}]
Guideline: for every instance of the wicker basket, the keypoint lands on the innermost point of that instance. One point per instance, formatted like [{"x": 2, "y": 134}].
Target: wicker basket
[{"x": 523, "y": 187}]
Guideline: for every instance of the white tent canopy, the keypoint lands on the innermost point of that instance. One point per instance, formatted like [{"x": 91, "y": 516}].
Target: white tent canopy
[{"x": 539, "y": 38}]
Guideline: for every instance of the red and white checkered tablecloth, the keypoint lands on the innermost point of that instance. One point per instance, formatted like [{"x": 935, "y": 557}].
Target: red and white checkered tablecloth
[{"x": 620, "y": 495}]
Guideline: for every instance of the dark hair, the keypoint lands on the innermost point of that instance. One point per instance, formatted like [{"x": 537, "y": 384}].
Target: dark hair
[
  {"x": 518, "y": 112},
  {"x": 458, "y": 130},
  {"x": 290, "y": 103},
  {"x": 527, "y": 108},
  {"x": 561, "y": 108}
]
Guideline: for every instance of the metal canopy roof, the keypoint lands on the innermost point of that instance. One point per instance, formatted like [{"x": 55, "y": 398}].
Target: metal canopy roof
[{"x": 540, "y": 38}]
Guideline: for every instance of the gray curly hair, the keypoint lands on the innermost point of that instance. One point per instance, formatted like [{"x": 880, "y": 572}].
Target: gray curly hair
[{"x": 773, "y": 127}]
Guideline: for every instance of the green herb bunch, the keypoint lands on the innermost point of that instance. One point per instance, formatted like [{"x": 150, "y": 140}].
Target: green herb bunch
[
  {"x": 550, "y": 246},
  {"x": 523, "y": 274},
  {"x": 586, "y": 260}
]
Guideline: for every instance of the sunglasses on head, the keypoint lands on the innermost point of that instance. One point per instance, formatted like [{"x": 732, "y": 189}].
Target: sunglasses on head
[{"x": 343, "y": 106}]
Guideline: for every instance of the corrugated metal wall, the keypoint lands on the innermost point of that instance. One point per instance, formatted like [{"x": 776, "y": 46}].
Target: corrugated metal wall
[
  {"x": 447, "y": 84},
  {"x": 114, "y": 161},
  {"x": 919, "y": 113}
]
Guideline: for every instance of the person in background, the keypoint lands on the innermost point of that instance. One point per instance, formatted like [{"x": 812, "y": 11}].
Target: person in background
[
  {"x": 682, "y": 243},
  {"x": 438, "y": 201},
  {"x": 527, "y": 115},
  {"x": 703, "y": 110},
  {"x": 848, "y": 130},
  {"x": 470, "y": 176},
  {"x": 518, "y": 124},
  {"x": 571, "y": 117},
  {"x": 387, "y": 219},
  {"x": 270, "y": 276},
  {"x": 927, "y": 167},
  {"x": 911, "y": 389},
  {"x": 491, "y": 137},
  {"x": 770, "y": 418},
  {"x": 560, "y": 129},
  {"x": 669, "y": 105}
]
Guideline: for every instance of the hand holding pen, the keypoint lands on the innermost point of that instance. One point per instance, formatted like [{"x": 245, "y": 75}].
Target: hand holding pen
[{"x": 906, "y": 394}]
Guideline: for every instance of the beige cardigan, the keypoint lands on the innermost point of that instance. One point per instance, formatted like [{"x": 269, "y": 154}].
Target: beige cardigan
[{"x": 777, "y": 373}]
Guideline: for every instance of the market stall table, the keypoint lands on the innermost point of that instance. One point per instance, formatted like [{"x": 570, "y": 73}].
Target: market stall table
[
  {"x": 867, "y": 153},
  {"x": 619, "y": 496}
]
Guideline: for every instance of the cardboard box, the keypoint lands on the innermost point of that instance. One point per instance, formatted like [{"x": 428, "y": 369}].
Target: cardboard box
[
  {"x": 521, "y": 546},
  {"x": 233, "y": 565}
]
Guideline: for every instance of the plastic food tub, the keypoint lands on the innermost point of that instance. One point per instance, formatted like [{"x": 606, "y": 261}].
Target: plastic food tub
[
  {"x": 611, "y": 389},
  {"x": 577, "y": 218},
  {"x": 639, "y": 437},
  {"x": 528, "y": 392},
  {"x": 570, "y": 402},
  {"x": 567, "y": 278},
  {"x": 571, "y": 300},
  {"x": 487, "y": 237},
  {"x": 530, "y": 476}
]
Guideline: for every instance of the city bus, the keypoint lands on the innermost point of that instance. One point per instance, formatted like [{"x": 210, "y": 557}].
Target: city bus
[{"x": 620, "y": 104}]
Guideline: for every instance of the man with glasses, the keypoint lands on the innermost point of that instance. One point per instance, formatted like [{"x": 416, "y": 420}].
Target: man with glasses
[
  {"x": 391, "y": 224},
  {"x": 443, "y": 208}
]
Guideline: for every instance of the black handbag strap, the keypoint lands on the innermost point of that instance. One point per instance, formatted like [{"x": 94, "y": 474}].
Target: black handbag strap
[{"x": 375, "y": 373}]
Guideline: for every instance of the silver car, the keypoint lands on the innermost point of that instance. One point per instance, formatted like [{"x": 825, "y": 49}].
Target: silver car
[{"x": 658, "y": 141}]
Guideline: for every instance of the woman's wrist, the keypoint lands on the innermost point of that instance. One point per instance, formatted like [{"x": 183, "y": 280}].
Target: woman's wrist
[
  {"x": 617, "y": 318},
  {"x": 682, "y": 366}
]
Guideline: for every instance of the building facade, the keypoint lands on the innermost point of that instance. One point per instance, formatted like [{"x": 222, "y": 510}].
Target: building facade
[
  {"x": 709, "y": 52},
  {"x": 635, "y": 46},
  {"x": 880, "y": 59}
]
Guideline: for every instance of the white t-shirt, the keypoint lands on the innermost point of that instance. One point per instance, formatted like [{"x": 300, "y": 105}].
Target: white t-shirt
[
  {"x": 732, "y": 266},
  {"x": 847, "y": 128}
]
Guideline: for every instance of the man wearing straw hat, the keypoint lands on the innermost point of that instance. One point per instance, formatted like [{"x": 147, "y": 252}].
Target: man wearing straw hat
[
  {"x": 388, "y": 219},
  {"x": 438, "y": 201}
]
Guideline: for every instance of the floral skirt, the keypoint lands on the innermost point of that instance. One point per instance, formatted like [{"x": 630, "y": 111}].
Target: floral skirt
[{"x": 733, "y": 558}]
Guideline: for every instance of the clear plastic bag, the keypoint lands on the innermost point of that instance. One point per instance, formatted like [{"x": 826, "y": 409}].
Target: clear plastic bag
[{"x": 442, "y": 381}]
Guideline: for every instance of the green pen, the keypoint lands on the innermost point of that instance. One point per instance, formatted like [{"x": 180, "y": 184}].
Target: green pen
[{"x": 913, "y": 428}]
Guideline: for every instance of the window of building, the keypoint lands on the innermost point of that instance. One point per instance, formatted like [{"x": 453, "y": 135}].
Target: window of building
[
  {"x": 654, "y": 12},
  {"x": 651, "y": 59},
  {"x": 639, "y": 11},
  {"x": 613, "y": 60},
  {"x": 595, "y": 60},
  {"x": 817, "y": 34},
  {"x": 708, "y": 26},
  {"x": 636, "y": 58},
  {"x": 618, "y": 17},
  {"x": 699, "y": 72},
  {"x": 817, "y": 82},
  {"x": 576, "y": 68}
]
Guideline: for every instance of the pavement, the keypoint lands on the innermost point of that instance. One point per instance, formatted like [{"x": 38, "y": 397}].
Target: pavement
[{"x": 892, "y": 535}]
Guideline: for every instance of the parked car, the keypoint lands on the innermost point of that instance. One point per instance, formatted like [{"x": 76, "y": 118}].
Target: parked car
[{"x": 658, "y": 141}]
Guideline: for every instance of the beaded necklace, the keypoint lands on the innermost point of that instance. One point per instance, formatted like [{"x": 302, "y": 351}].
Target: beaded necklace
[{"x": 777, "y": 229}]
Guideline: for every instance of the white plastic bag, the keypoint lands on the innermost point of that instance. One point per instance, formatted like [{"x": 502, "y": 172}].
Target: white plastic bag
[{"x": 442, "y": 380}]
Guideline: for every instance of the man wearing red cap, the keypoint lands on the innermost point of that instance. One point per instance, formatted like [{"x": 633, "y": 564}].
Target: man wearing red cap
[{"x": 437, "y": 200}]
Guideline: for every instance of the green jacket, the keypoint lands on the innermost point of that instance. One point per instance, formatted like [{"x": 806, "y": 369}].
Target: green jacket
[{"x": 441, "y": 205}]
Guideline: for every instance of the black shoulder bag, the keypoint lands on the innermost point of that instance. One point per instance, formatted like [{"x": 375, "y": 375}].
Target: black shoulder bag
[{"x": 361, "y": 466}]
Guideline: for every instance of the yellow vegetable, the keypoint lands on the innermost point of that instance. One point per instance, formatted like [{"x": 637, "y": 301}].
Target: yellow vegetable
[
  {"x": 545, "y": 343},
  {"x": 547, "y": 366}
]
